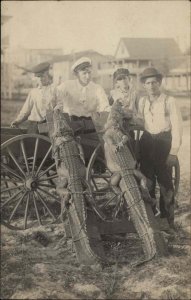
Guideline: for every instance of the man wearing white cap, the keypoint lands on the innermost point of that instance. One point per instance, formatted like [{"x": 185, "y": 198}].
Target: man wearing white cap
[
  {"x": 81, "y": 97},
  {"x": 39, "y": 99}
]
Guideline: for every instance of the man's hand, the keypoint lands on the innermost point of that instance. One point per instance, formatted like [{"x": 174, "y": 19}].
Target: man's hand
[
  {"x": 14, "y": 124},
  {"x": 171, "y": 160}
]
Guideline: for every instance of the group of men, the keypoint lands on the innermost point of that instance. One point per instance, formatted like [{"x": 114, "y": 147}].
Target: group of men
[{"x": 81, "y": 98}]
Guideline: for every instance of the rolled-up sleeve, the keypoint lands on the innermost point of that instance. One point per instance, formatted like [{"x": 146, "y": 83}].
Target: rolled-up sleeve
[
  {"x": 176, "y": 125},
  {"x": 103, "y": 102},
  {"x": 26, "y": 109}
]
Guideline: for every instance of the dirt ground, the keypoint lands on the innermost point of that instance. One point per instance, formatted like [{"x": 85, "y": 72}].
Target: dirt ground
[{"x": 34, "y": 270}]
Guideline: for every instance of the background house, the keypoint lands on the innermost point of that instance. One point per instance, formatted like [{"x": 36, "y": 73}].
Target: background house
[
  {"x": 179, "y": 78},
  {"x": 62, "y": 64},
  {"x": 137, "y": 54},
  {"x": 22, "y": 61}
]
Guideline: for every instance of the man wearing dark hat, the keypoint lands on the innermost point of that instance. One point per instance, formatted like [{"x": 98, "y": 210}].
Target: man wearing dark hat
[
  {"x": 161, "y": 139},
  {"x": 38, "y": 100},
  {"x": 81, "y": 97}
]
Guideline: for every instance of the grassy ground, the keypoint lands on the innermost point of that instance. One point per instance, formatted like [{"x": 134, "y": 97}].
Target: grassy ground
[{"x": 32, "y": 270}]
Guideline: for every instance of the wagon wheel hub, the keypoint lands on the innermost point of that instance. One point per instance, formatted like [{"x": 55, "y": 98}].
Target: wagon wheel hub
[{"x": 31, "y": 184}]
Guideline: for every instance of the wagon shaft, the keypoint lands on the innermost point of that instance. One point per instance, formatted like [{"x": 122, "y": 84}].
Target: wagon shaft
[{"x": 67, "y": 156}]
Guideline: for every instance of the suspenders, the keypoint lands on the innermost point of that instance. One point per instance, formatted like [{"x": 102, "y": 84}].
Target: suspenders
[{"x": 166, "y": 111}]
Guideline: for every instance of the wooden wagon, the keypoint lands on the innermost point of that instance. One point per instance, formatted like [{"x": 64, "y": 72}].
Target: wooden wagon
[{"x": 28, "y": 179}]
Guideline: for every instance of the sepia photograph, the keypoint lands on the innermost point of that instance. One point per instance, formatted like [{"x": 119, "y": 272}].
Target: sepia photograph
[{"x": 95, "y": 150}]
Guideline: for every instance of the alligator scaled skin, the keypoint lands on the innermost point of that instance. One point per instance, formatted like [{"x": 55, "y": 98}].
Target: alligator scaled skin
[
  {"x": 66, "y": 154},
  {"x": 120, "y": 161}
]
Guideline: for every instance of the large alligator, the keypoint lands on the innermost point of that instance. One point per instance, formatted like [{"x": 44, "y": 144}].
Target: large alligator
[
  {"x": 71, "y": 171},
  {"x": 122, "y": 164}
]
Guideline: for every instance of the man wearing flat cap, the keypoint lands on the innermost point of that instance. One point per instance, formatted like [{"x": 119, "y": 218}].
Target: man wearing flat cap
[
  {"x": 161, "y": 139},
  {"x": 39, "y": 99},
  {"x": 81, "y": 97},
  {"x": 124, "y": 91}
]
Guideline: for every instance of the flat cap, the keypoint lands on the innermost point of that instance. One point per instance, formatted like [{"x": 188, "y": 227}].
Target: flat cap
[
  {"x": 150, "y": 72},
  {"x": 40, "y": 68},
  {"x": 119, "y": 73},
  {"x": 81, "y": 64}
]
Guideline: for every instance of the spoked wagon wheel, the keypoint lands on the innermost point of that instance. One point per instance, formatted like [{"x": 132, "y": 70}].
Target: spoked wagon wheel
[
  {"x": 108, "y": 199},
  {"x": 28, "y": 176}
]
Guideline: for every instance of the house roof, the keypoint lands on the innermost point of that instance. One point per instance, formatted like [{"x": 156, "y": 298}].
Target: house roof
[
  {"x": 77, "y": 55},
  {"x": 150, "y": 48}
]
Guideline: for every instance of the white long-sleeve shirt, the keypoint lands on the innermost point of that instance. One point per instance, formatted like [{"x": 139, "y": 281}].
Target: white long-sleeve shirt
[
  {"x": 82, "y": 101},
  {"x": 160, "y": 116},
  {"x": 38, "y": 100}
]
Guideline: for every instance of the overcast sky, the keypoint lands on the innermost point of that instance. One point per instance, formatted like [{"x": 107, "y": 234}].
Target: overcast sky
[{"x": 98, "y": 25}]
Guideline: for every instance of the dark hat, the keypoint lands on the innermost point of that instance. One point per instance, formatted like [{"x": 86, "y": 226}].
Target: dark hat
[
  {"x": 119, "y": 73},
  {"x": 150, "y": 72},
  {"x": 81, "y": 64},
  {"x": 40, "y": 68}
]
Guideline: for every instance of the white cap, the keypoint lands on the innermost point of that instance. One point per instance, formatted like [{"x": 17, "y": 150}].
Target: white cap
[{"x": 83, "y": 62}]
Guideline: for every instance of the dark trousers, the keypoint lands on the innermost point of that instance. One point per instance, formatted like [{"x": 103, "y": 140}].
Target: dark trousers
[{"x": 154, "y": 150}]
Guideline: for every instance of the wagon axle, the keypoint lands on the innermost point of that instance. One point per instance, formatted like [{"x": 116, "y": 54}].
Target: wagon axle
[{"x": 31, "y": 184}]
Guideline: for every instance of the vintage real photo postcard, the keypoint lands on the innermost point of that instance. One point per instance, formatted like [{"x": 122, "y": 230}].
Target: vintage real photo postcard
[{"x": 95, "y": 149}]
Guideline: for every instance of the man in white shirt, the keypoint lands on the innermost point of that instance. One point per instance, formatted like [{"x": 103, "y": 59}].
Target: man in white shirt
[
  {"x": 161, "y": 139},
  {"x": 81, "y": 98},
  {"x": 39, "y": 99}
]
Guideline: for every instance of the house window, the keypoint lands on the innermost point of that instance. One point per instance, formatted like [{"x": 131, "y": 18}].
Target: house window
[{"x": 143, "y": 63}]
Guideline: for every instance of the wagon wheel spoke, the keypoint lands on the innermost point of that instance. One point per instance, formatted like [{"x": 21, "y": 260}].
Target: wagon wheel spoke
[
  {"x": 49, "y": 194},
  {"x": 48, "y": 178},
  {"x": 16, "y": 206},
  {"x": 24, "y": 155},
  {"x": 46, "y": 185},
  {"x": 12, "y": 188},
  {"x": 36, "y": 209},
  {"x": 26, "y": 211},
  {"x": 42, "y": 201},
  {"x": 10, "y": 170},
  {"x": 93, "y": 180},
  {"x": 35, "y": 155},
  {"x": 6, "y": 180},
  {"x": 104, "y": 176},
  {"x": 12, "y": 197},
  {"x": 48, "y": 169},
  {"x": 15, "y": 161},
  {"x": 43, "y": 161},
  {"x": 108, "y": 201}
]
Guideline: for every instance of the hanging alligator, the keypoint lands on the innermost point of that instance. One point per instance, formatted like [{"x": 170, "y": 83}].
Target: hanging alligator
[
  {"x": 122, "y": 164},
  {"x": 71, "y": 187}
]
